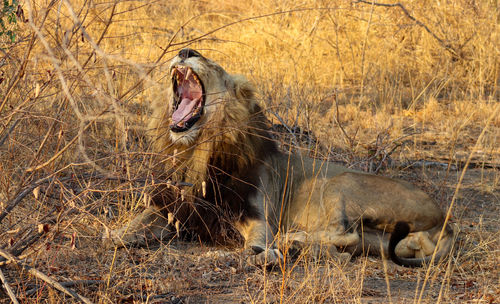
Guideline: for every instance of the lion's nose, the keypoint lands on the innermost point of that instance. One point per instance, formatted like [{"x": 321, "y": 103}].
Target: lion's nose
[{"x": 187, "y": 53}]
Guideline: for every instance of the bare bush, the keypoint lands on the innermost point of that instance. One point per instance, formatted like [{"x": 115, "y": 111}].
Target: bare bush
[{"x": 384, "y": 88}]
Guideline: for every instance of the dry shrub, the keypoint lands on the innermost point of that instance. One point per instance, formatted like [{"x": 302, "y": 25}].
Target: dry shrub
[{"x": 367, "y": 82}]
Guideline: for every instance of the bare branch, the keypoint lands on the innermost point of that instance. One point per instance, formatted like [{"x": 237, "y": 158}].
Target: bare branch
[
  {"x": 445, "y": 45},
  {"x": 22, "y": 194},
  {"x": 44, "y": 277},
  {"x": 8, "y": 132},
  {"x": 9, "y": 290},
  {"x": 67, "y": 284}
]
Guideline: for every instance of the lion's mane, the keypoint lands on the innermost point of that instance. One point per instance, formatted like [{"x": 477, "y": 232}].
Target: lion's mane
[{"x": 223, "y": 159}]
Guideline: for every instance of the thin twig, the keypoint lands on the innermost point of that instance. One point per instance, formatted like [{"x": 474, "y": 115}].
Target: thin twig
[
  {"x": 292, "y": 133},
  {"x": 59, "y": 153},
  {"x": 8, "y": 132},
  {"x": 22, "y": 194},
  {"x": 7, "y": 262},
  {"x": 9, "y": 290},
  {"x": 67, "y": 284},
  {"x": 386, "y": 276},
  {"x": 418, "y": 22},
  {"x": 20, "y": 71},
  {"x": 19, "y": 197},
  {"x": 455, "y": 195},
  {"x": 350, "y": 140},
  {"x": 44, "y": 277},
  {"x": 363, "y": 54},
  {"x": 17, "y": 200},
  {"x": 170, "y": 43}
]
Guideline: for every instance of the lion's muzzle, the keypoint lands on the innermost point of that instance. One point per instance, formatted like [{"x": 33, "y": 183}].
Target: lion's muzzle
[{"x": 188, "y": 98}]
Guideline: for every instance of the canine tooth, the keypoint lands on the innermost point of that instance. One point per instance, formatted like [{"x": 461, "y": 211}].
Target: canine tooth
[
  {"x": 170, "y": 218},
  {"x": 172, "y": 73},
  {"x": 189, "y": 72},
  {"x": 182, "y": 195},
  {"x": 204, "y": 188},
  {"x": 169, "y": 183}
]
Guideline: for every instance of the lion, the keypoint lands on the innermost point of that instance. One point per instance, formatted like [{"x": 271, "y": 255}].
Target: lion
[{"x": 210, "y": 135}]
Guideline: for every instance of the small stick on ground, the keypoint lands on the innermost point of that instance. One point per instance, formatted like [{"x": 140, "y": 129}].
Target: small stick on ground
[
  {"x": 9, "y": 290},
  {"x": 67, "y": 284},
  {"x": 44, "y": 277}
]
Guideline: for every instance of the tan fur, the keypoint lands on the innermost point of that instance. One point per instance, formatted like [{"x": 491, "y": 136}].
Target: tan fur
[{"x": 299, "y": 199}]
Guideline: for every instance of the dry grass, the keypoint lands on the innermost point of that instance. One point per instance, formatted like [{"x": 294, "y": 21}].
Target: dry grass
[{"x": 372, "y": 86}]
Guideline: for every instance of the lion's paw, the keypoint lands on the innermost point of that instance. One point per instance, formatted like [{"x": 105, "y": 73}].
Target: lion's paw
[
  {"x": 122, "y": 238},
  {"x": 258, "y": 256},
  {"x": 149, "y": 226}
]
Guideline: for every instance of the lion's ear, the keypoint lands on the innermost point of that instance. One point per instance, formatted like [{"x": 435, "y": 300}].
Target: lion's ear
[{"x": 243, "y": 88}]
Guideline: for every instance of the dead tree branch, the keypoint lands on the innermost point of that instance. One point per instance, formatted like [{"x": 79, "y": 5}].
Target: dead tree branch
[
  {"x": 441, "y": 41},
  {"x": 9, "y": 290},
  {"x": 67, "y": 284},
  {"x": 44, "y": 277},
  {"x": 29, "y": 189}
]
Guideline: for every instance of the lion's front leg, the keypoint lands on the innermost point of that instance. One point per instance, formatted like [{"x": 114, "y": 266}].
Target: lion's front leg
[
  {"x": 259, "y": 242},
  {"x": 150, "y": 225},
  {"x": 320, "y": 244}
]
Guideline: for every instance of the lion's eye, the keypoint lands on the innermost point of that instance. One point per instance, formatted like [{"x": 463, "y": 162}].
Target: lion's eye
[{"x": 187, "y": 53}]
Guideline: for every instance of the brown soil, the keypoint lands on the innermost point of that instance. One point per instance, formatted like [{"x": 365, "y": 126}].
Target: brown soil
[{"x": 182, "y": 272}]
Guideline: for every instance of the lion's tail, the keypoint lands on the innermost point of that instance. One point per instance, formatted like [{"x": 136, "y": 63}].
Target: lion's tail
[{"x": 401, "y": 231}]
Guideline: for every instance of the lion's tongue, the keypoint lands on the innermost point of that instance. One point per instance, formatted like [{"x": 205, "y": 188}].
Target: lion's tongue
[{"x": 184, "y": 110}]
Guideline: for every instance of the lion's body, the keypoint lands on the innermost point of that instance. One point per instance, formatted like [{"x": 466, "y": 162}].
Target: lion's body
[
  {"x": 381, "y": 202},
  {"x": 239, "y": 177}
]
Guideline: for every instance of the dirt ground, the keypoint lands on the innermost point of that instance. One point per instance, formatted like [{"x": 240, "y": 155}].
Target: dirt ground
[
  {"x": 415, "y": 81},
  {"x": 180, "y": 272}
]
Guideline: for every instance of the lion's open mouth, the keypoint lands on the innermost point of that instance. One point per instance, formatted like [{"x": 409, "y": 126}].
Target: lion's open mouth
[{"x": 188, "y": 98}]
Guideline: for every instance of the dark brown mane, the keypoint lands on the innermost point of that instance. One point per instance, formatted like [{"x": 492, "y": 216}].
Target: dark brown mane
[{"x": 230, "y": 176}]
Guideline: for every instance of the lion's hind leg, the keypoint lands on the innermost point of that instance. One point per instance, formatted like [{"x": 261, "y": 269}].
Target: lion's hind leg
[
  {"x": 420, "y": 244},
  {"x": 426, "y": 251},
  {"x": 416, "y": 244}
]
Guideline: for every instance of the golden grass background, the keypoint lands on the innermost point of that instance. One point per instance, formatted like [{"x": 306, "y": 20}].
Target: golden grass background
[{"x": 369, "y": 83}]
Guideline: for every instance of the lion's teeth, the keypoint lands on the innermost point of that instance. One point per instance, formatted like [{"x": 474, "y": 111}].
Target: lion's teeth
[
  {"x": 170, "y": 218},
  {"x": 204, "y": 188},
  {"x": 189, "y": 72}
]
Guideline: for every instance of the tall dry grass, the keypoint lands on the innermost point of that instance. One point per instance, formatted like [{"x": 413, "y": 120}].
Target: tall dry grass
[{"x": 370, "y": 84}]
